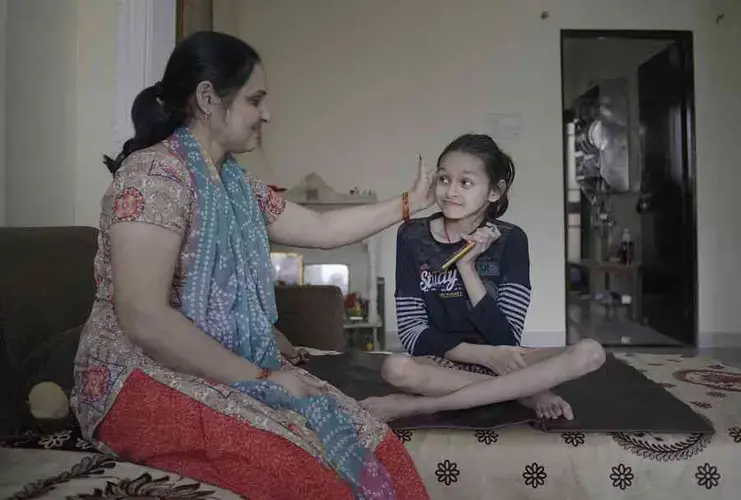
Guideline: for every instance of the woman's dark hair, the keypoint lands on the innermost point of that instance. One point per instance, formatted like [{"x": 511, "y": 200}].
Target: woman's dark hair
[
  {"x": 225, "y": 61},
  {"x": 498, "y": 165}
]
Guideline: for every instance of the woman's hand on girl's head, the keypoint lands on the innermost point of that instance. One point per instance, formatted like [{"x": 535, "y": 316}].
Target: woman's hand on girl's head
[
  {"x": 422, "y": 195},
  {"x": 483, "y": 237}
]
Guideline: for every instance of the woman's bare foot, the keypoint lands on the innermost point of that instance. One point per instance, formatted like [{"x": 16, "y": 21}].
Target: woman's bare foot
[
  {"x": 393, "y": 406},
  {"x": 548, "y": 405}
]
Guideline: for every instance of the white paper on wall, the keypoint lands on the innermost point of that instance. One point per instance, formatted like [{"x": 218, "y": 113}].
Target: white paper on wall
[{"x": 505, "y": 126}]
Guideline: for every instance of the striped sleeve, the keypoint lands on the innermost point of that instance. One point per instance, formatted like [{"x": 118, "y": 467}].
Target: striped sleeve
[
  {"x": 415, "y": 332},
  {"x": 500, "y": 316},
  {"x": 513, "y": 299},
  {"x": 411, "y": 318}
]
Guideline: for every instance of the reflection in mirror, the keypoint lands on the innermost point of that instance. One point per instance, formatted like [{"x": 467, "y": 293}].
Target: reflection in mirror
[{"x": 328, "y": 274}]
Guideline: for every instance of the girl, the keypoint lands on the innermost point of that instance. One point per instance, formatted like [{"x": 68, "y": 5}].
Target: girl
[{"x": 464, "y": 324}]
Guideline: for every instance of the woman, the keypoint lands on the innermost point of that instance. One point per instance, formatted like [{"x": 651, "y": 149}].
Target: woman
[
  {"x": 463, "y": 323},
  {"x": 178, "y": 366}
]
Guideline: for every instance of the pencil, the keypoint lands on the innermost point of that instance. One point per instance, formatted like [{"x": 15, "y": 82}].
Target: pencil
[{"x": 458, "y": 255}]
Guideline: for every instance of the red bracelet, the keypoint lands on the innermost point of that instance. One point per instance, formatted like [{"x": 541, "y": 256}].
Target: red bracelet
[
  {"x": 405, "y": 205},
  {"x": 264, "y": 374}
]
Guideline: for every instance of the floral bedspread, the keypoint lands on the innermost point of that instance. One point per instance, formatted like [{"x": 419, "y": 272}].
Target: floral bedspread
[
  {"x": 523, "y": 463},
  {"x": 73, "y": 475},
  {"x": 517, "y": 463}
]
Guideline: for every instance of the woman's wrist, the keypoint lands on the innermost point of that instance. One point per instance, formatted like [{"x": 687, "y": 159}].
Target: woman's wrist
[
  {"x": 416, "y": 204},
  {"x": 405, "y": 206},
  {"x": 250, "y": 372}
]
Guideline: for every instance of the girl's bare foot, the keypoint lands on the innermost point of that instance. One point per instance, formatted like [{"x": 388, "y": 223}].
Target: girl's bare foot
[
  {"x": 393, "y": 406},
  {"x": 548, "y": 405}
]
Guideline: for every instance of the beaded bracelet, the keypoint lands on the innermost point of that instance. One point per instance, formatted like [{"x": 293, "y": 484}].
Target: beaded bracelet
[{"x": 405, "y": 205}]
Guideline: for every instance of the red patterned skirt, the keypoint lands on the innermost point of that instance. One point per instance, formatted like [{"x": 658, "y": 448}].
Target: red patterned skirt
[{"x": 155, "y": 425}]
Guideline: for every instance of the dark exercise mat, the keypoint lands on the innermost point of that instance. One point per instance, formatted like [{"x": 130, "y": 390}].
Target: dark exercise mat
[
  {"x": 615, "y": 398},
  {"x": 619, "y": 398},
  {"x": 358, "y": 374}
]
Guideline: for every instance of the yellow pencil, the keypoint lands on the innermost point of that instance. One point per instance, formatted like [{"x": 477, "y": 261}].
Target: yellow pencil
[{"x": 458, "y": 255}]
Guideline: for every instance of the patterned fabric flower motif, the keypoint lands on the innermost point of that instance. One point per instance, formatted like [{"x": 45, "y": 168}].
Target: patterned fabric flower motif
[
  {"x": 575, "y": 439},
  {"x": 717, "y": 380},
  {"x": 702, "y": 404},
  {"x": 447, "y": 472},
  {"x": 55, "y": 440},
  {"x": 129, "y": 204},
  {"x": 146, "y": 487},
  {"x": 486, "y": 436},
  {"x": 656, "y": 437},
  {"x": 95, "y": 382},
  {"x": 717, "y": 394},
  {"x": 735, "y": 433},
  {"x": 404, "y": 435},
  {"x": 534, "y": 475},
  {"x": 707, "y": 475},
  {"x": 82, "y": 444},
  {"x": 622, "y": 476}
]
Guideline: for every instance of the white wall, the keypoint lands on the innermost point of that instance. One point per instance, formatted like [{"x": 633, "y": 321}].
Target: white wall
[
  {"x": 358, "y": 88},
  {"x": 59, "y": 99},
  {"x": 95, "y": 94},
  {"x": 3, "y": 10},
  {"x": 40, "y": 112}
]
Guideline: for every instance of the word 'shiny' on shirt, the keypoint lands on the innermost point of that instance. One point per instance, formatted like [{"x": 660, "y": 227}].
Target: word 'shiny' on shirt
[{"x": 433, "y": 310}]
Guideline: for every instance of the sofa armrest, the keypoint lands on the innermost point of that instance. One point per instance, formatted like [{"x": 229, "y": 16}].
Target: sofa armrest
[{"x": 312, "y": 316}]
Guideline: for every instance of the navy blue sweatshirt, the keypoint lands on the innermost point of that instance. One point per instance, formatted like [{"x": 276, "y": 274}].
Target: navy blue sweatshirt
[{"x": 433, "y": 310}]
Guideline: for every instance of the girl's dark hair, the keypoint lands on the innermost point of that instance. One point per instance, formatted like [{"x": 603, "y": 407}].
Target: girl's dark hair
[
  {"x": 498, "y": 165},
  {"x": 225, "y": 61}
]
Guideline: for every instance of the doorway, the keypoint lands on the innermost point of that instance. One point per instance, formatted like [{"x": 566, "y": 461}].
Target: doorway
[{"x": 629, "y": 179}]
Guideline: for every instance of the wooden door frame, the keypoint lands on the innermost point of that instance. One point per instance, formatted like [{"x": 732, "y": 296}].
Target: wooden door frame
[{"x": 192, "y": 16}]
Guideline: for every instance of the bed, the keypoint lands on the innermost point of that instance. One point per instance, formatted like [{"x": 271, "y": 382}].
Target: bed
[
  {"x": 515, "y": 463},
  {"x": 50, "y": 472},
  {"x": 520, "y": 463}
]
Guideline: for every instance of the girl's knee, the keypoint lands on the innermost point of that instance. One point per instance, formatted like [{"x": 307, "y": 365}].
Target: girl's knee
[
  {"x": 590, "y": 354},
  {"x": 399, "y": 370}
]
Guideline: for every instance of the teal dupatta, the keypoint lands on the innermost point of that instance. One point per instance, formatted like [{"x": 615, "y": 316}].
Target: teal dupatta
[{"x": 229, "y": 295}]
